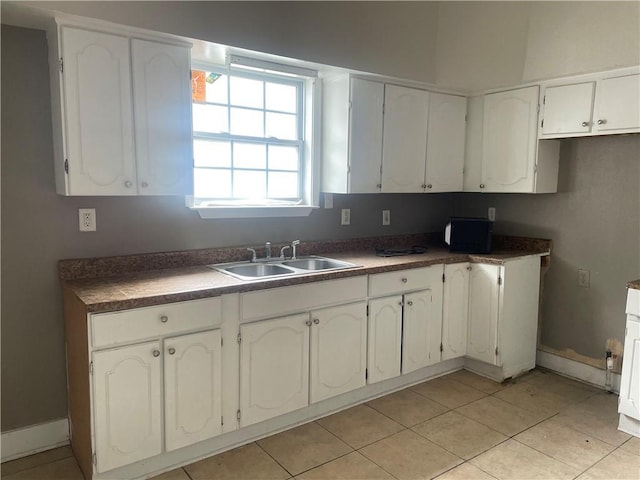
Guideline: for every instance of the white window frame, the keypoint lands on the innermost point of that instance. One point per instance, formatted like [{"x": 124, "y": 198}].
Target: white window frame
[{"x": 310, "y": 152}]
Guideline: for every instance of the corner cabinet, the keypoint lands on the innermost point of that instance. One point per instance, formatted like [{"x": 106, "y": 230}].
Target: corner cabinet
[
  {"x": 629, "y": 402},
  {"x": 121, "y": 110}
]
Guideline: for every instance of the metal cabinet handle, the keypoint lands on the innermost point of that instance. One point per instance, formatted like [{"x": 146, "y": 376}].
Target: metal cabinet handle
[
  {"x": 308, "y": 323},
  {"x": 482, "y": 185},
  {"x": 423, "y": 185},
  {"x": 404, "y": 280},
  {"x": 172, "y": 351},
  {"x": 316, "y": 321},
  {"x": 469, "y": 268},
  {"x": 156, "y": 353},
  {"x": 410, "y": 303},
  {"x": 585, "y": 124},
  {"x": 144, "y": 184},
  {"x": 164, "y": 319},
  {"x": 601, "y": 122},
  {"x": 429, "y": 186},
  {"x": 128, "y": 184},
  {"x": 379, "y": 185}
]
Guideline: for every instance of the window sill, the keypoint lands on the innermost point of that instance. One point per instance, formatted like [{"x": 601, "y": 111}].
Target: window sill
[{"x": 254, "y": 211}]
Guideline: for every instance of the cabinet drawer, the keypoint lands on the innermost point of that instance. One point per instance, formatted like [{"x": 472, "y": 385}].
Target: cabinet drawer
[
  {"x": 301, "y": 298},
  {"x": 151, "y": 322},
  {"x": 403, "y": 280}
]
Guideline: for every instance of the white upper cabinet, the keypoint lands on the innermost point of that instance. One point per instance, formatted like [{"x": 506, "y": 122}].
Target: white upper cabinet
[
  {"x": 404, "y": 145},
  {"x": 567, "y": 109},
  {"x": 595, "y": 105},
  {"x": 352, "y": 135},
  {"x": 162, "y": 106},
  {"x": 445, "y": 143},
  {"x": 121, "y": 112},
  {"x": 617, "y": 107},
  {"x": 98, "y": 114}
]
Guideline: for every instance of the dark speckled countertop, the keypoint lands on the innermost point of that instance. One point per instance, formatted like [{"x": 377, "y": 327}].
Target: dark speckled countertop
[
  {"x": 635, "y": 284},
  {"x": 131, "y": 289}
]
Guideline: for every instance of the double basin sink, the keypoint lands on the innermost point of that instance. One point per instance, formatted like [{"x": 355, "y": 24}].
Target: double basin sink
[{"x": 260, "y": 270}]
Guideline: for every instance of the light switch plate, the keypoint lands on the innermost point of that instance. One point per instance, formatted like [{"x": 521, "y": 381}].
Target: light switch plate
[
  {"x": 345, "y": 217},
  {"x": 386, "y": 217}
]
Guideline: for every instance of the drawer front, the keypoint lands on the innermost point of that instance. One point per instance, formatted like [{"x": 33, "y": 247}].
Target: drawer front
[
  {"x": 108, "y": 329},
  {"x": 301, "y": 298},
  {"x": 403, "y": 280}
]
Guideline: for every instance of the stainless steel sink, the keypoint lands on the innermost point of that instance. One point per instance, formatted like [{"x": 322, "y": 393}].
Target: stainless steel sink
[{"x": 276, "y": 268}]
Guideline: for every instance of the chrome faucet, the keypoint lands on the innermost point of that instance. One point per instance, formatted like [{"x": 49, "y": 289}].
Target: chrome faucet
[
  {"x": 282, "y": 250},
  {"x": 267, "y": 247},
  {"x": 294, "y": 244},
  {"x": 254, "y": 258}
]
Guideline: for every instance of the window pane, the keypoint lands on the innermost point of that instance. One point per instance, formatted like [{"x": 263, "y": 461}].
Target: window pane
[
  {"x": 211, "y": 153},
  {"x": 212, "y": 183},
  {"x": 216, "y": 88},
  {"x": 281, "y": 97},
  {"x": 249, "y": 155},
  {"x": 283, "y": 185},
  {"x": 281, "y": 125},
  {"x": 210, "y": 119},
  {"x": 249, "y": 184},
  {"x": 283, "y": 158},
  {"x": 245, "y": 122},
  {"x": 246, "y": 92}
]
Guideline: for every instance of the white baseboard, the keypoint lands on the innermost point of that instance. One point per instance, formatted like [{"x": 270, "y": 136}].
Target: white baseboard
[
  {"x": 36, "y": 438},
  {"x": 577, "y": 370}
]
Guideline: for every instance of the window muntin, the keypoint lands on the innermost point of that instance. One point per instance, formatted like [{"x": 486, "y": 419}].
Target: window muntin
[{"x": 248, "y": 138}]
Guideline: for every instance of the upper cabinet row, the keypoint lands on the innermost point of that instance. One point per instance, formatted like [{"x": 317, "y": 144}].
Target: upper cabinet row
[{"x": 121, "y": 114}]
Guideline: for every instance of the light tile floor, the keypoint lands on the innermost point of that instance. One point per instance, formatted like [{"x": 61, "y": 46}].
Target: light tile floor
[{"x": 461, "y": 426}]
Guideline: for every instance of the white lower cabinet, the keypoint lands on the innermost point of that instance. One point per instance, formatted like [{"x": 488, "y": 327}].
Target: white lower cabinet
[
  {"x": 385, "y": 338},
  {"x": 422, "y": 328},
  {"x": 484, "y": 296},
  {"x": 629, "y": 403},
  {"x": 127, "y": 404},
  {"x": 455, "y": 310}
]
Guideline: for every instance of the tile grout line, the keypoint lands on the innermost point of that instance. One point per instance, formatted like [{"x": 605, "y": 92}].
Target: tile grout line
[{"x": 272, "y": 457}]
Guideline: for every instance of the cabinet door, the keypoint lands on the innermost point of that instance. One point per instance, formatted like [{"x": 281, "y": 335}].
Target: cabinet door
[
  {"x": 385, "y": 338},
  {"x": 162, "y": 101},
  {"x": 422, "y": 328},
  {"x": 568, "y": 109},
  {"x": 445, "y": 143},
  {"x": 98, "y": 113},
  {"x": 483, "y": 312},
  {"x": 127, "y": 404},
  {"x": 404, "y": 146},
  {"x": 630, "y": 383},
  {"x": 274, "y": 368},
  {"x": 618, "y": 105},
  {"x": 509, "y": 140},
  {"x": 338, "y": 350},
  {"x": 193, "y": 388},
  {"x": 455, "y": 310},
  {"x": 365, "y": 136}
]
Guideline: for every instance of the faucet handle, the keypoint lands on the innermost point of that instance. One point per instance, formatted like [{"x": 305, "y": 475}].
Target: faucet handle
[
  {"x": 253, "y": 254},
  {"x": 294, "y": 244}
]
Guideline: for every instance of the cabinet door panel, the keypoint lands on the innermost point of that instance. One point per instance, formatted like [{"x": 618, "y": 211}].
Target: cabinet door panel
[
  {"x": 455, "y": 311},
  {"x": 193, "y": 388},
  {"x": 127, "y": 405},
  {"x": 618, "y": 104},
  {"x": 568, "y": 109},
  {"x": 162, "y": 96},
  {"x": 509, "y": 140},
  {"x": 365, "y": 141},
  {"x": 483, "y": 312},
  {"x": 404, "y": 146},
  {"x": 274, "y": 368},
  {"x": 445, "y": 143},
  {"x": 98, "y": 113},
  {"x": 338, "y": 350},
  {"x": 385, "y": 338},
  {"x": 422, "y": 329},
  {"x": 630, "y": 387}
]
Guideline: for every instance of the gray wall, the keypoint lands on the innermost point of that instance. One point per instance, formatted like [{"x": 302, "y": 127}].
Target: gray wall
[{"x": 40, "y": 227}]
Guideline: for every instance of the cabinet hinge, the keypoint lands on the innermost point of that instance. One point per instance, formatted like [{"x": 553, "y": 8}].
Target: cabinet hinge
[
  {"x": 544, "y": 100},
  {"x": 222, "y": 420},
  {"x": 95, "y": 459},
  {"x": 221, "y": 341},
  {"x": 350, "y": 105},
  {"x": 441, "y": 347},
  {"x": 238, "y": 414},
  {"x": 61, "y": 65},
  {"x": 538, "y": 110},
  {"x": 91, "y": 368},
  {"x": 366, "y": 374},
  {"x": 466, "y": 117},
  {"x": 542, "y": 123},
  {"x": 443, "y": 278},
  {"x": 66, "y": 165},
  {"x": 499, "y": 280},
  {"x": 239, "y": 341},
  {"x": 496, "y": 351}
]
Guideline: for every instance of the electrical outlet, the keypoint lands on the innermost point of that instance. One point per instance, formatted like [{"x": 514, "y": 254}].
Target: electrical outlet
[
  {"x": 87, "y": 219},
  {"x": 583, "y": 278},
  {"x": 345, "y": 218},
  {"x": 491, "y": 214},
  {"x": 386, "y": 217}
]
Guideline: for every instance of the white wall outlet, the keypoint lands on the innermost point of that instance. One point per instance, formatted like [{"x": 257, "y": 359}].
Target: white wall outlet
[
  {"x": 328, "y": 200},
  {"x": 584, "y": 278},
  {"x": 491, "y": 214},
  {"x": 87, "y": 219},
  {"x": 345, "y": 218},
  {"x": 386, "y": 217}
]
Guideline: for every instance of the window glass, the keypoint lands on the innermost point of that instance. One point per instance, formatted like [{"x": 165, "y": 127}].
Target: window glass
[
  {"x": 246, "y": 92},
  {"x": 279, "y": 125},
  {"x": 209, "y": 183},
  {"x": 251, "y": 184},
  {"x": 281, "y": 97},
  {"x": 211, "y": 153},
  {"x": 283, "y": 185},
  {"x": 250, "y": 155},
  {"x": 283, "y": 157},
  {"x": 210, "y": 118}
]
